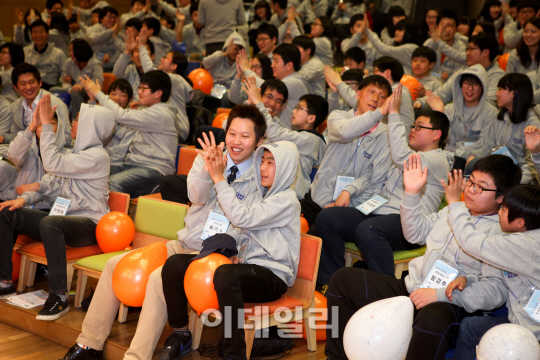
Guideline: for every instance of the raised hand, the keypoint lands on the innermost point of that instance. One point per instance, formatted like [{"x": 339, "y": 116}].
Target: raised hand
[
  {"x": 90, "y": 86},
  {"x": 206, "y": 144},
  {"x": 332, "y": 78},
  {"x": 20, "y": 17},
  {"x": 414, "y": 178},
  {"x": 181, "y": 17},
  {"x": 532, "y": 139},
  {"x": 129, "y": 38},
  {"x": 291, "y": 14},
  {"x": 456, "y": 186},
  {"x": 395, "y": 103},
  {"x": 216, "y": 161},
  {"x": 46, "y": 111},
  {"x": 252, "y": 90},
  {"x": 35, "y": 120},
  {"x": 434, "y": 102},
  {"x": 242, "y": 61}
]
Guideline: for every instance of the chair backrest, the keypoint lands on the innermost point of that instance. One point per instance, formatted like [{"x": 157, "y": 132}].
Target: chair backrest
[
  {"x": 108, "y": 79},
  {"x": 308, "y": 266},
  {"x": 157, "y": 220},
  {"x": 119, "y": 201},
  {"x": 186, "y": 157}
]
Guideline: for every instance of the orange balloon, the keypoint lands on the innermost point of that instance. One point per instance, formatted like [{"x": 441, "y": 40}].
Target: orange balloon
[
  {"x": 199, "y": 282},
  {"x": 410, "y": 83},
  {"x": 320, "y": 303},
  {"x": 304, "y": 226},
  {"x": 202, "y": 80},
  {"x": 131, "y": 273},
  {"x": 16, "y": 260},
  {"x": 219, "y": 120},
  {"x": 503, "y": 60},
  {"x": 114, "y": 232}
]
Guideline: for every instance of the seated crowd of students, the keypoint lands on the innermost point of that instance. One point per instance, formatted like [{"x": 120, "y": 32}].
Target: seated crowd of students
[{"x": 470, "y": 136}]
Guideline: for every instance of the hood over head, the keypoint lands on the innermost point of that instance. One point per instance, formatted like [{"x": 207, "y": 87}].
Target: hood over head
[
  {"x": 287, "y": 161},
  {"x": 236, "y": 39},
  {"x": 480, "y": 72},
  {"x": 96, "y": 123}
]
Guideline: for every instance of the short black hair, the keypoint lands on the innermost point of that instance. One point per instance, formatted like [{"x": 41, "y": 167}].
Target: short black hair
[
  {"x": 487, "y": 27},
  {"x": 425, "y": 52},
  {"x": 263, "y": 4},
  {"x": 306, "y": 43},
  {"x": 438, "y": 121},
  {"x": 389, "y": 63},
  {"x": 133, "y": 2},
  {"x": 523, "y": 101},
  {"x": 448, "y": 14},
  {"x": 353, "y": 75},
  {"x": 248, "y": 112},
  {"x": 59, "y": 22},
  {"x": 16, "y": 52},
  {"x": 486, "y": 41},
  {"x": 135, "y": 23},
  {"x": 193, "y": 7},
  {"x": 356, "y": 54},
  {"x": 50, "y": 3},
  {"x": 151, "y": 46},
  {"x": 24, "y": 68},
  {"x": 282, "y": 3},
  {"x": 412, "y": 32},
  {"x": 105, "y": 10},
  {"x": 318, "y": 106},
  {"x": 277, "y": 85},
  {"x": 355, "y": 18},
  {"x": 528, "y": 4},
  {"x": 523, "y": 201},
  {"x": 82, "y": 51},
  {"x": 123, "y": 85},
  {"x": 158, "y": 80},
  {"x": 473, "y": 79},
  {"x": 289, "y": 54},
  {"x": 98, "y": 11},
  {"x": 503, "y": 171},
  {"x": 268, "y": 29},
  {"x": 38, "y": 23},
  {"x": 378, "y": 81},
  {"x": 169, "y": 20},
  {"x": 152, "y": 23},
  {"x": 181, "y": 62}
]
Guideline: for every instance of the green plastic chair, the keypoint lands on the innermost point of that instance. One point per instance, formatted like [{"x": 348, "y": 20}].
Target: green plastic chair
[
  {"x": 156, "y": 221},
  {"x": 401, "y": 257}
]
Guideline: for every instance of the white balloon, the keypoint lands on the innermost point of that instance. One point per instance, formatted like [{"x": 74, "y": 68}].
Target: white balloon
[
  {"x": 380, "y": 331},
  {"x": 508, "y": 342}
]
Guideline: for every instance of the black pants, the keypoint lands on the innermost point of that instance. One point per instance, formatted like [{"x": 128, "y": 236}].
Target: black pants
[
  {"x": 174, "y": 188},
  {"x": 376, "y": 237},
  {"x": 54, "y": 231},
  {"x": 234, "y": 285},
  {"x": 435, "y": 326},
  {"x": 213, "y": 47},
  {"x": 310, "y": 209}
]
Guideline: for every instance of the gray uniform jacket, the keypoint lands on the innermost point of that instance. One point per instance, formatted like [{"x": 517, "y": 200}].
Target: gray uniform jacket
[
  {"x": 450, "y": 65},
  {"x": 371, "y": 52},
  {"x": 310, "y": 11},
  {"x": 512, "y": 33},
  {"x": 402, "y": 53},
  {"x": 93, "y": 69},
  {"x": 49, "y": 63},
  {"x": 313, "y": 72},
  {"x": 514, "y": 65},
  {"x": 124, "y": 69},
  {"x": 103, "y": 42},
  {"x": 194, "y": 43},
  {"x": 220, "y": 17},
  {"x": 430, "y": 82}
]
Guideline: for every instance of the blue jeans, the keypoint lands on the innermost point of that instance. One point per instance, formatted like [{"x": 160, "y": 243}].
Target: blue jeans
[
  {"x": 133, "y": 180},
  {"x": 471, "y": 331}
]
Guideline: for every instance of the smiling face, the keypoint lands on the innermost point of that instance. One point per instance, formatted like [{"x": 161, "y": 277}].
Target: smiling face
[
  {"x": 495, "y": 11},
  {"x": 119, "y": 97},
  {"x": 28, "y": 86},
  {"x": 317, "y": 28},
  {"x": 505, "y": 98},
  {"x": 273, "y": 101},
  {"x": 268, "y": 169},
  {"x": 138, "y": 6},
  {"x": 531, "y": 35},
  {"x": 5, "y": 57},
  {"x": 431, "y": 18},
  {"x": 398, "y": 35},
  {"x": 167, "y": 64},
  {"x": 475, "y": 55},
  {"x": 370, "y": 98},
  {"x": 241, "y": 139},
  {"x": 525, "y": 14},
  {"x": 486, "y": 202},
  {"x": 40, "y": 36},
  {"x": 463, "y": 29},
  {"x": 261, "y": 12},
  {"x": 109, "y": 20},
  {"x": 266, "y": 43},
  {"x": 472, "y": 91},
  {"x": 421, "y": 66},
  {"x": 279, "y": 69}
]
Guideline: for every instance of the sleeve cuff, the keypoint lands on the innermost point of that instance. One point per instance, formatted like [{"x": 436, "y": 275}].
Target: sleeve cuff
[
  {"x": 47, "y": 128},
  {"x": 28, "y": 135},
  {"x": 221, "y": 186},
  {"x": 392, "y": 118},
  {"x": 410, "y": 201},
  {"x": 101, "y": 97},
  {"x": 441, "y": 296},
  {"x": 27, "y": 199},
  {"x": 351, "y": 190}
]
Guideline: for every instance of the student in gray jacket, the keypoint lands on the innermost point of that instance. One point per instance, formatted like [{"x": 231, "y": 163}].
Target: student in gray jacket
[
  {"x": 513, "y": 31},
  {"x": 222, "y": 64},
  {"x": 520, "y": 59},
  {"x": 352, "y": 78},
  {"x": 11, "y": 55},
  {"x": 470, "y": 114},
  {"x": 151, "y": 29},
  {"x": 423, "y": 61},
  {"x": 78, "y": 180},
  {"x": 104, "y": 38},
  {"x": 312, "y": 68},
  {"x": 27, "y": 81},
  {"x": 310, "y": 112},
  {"x": 377, "y": 232},
  {"x": 264, "y": 231},
  {"x": 220, "y": 18},
  {"x": 441, "y": 304},
  {"x": 43, "y": 55},
  {"x": 152, "y": 153}
]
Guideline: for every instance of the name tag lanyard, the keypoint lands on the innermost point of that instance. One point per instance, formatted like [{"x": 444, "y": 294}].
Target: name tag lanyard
[
  {"x": 467, "y": 136},
  {"x": 511, "y": 136},
  {"x": 531, "y": 302}
]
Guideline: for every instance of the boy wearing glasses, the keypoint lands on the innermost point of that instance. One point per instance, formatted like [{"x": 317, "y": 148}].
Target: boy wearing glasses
[
  {"x": 442, "y": 298},
  {"x": 103, "y": 38},
  {"x": 312, "y": 68},
  {"x": 375, "y": 225},
  {"x": 470, "y": 114},
  {"x": 267, "y": 35},
  {"x": 152, "y": 153}
]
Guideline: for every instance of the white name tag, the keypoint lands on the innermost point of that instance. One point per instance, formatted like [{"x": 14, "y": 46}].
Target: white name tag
[
  {"x": 215, "y": 224},
  {"x": 373, "y": 204},
  {"x": 60, "y": 206},
  {"x": 504, "y": 151},
  {"x": 341, "y": 184},
  {"x": 467, "y": 143},
  {"x": 440, "y": 275},
  {"x": 533, "y": 306}
]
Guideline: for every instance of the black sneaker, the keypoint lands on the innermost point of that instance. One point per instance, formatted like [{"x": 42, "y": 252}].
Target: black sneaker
[
  {"x": 78, "y": 353},
  {"x": 54, "y": 308},
  {"x": 6, "y": 292},
  {"x": 179, "y": 343}
]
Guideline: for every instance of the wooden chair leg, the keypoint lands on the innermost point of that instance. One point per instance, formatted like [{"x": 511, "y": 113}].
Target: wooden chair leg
[
  {"x": 196, "y": 327},
  {"x": 311, "y": 335},
  {"x": 23, "y": 273},
  {"x": 348, "y": 259},
  {"x": 70, "y": 271},
  {"x": 122, "y": 313},
  {"x": 398, "y": 268},
  {"x": 31, "y": 277},
  {"x": 81, "y": 287},
  {"x": 250, "y": 336}
]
